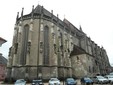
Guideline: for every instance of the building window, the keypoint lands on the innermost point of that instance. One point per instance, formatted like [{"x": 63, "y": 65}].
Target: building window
[
  {"x": 2, "y": 76},
  {"x": 93, "y": 69},
  {"x": 46, "y": 46},
  {"x": 89, "y": 69},
  {"x": 24, "y": 44},
  {"x": 28, "y": 47},
  {"x": 16, "y": 48},
  {"x": 95, "y": 62},
  {"x": 55, "y": 49},
  {"x": 61, "y": 38},
  {"x": 66, "y": 42},
  {"x": 77, "y": 58}
]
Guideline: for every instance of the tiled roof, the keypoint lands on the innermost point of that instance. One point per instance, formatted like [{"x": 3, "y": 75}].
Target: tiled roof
[{"x": 2, "y": 41}]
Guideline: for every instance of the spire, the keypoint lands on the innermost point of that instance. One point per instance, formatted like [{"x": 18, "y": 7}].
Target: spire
[
  {"x": 17, "y": 16},
  {"x": 51, "y": 15},
  {"x": 42, "y": 9},
  {"x": 102, "y": 47},
  {"x": 32, "y": 11},
  {"x": 80, "y": 28},
  {"x": 22, "y": 13},
  {"x": 51, "y": 11},
  {"x": 32, "y": 8},
  {"x": 57, "y": 15},
  {"x": 57, "y": 18}
]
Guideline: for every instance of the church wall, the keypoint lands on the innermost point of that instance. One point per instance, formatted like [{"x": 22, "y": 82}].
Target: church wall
[
  {"x": 69, "y": 52},
  {"x": 52, "y": 41},
  {"x": 34, "y": 43},
  {"x": 83, "y": 43},
  {"x": 82, "y": 65},
  {"x": 59, "y": 53}
]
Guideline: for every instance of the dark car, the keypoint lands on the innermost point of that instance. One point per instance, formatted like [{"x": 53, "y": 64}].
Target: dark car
[
  {"x": 86, "y": 80},
  {"x": 70, "y": 81},
  {"x": 37, "y": 82}
]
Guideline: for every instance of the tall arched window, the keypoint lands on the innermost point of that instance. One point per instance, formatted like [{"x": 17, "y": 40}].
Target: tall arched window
[
  {"x": 61, "y": 41},
  {"x": 46, "y": 46},
  {"x": 24, "y": 44}
]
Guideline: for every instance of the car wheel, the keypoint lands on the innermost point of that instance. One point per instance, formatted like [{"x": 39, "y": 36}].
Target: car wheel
[
  {"x": 101, "y": 82},
  {"x": 86, "y": 84},
  {"x": 98, "y": 82},
  {"x": 81, "y": 83}
]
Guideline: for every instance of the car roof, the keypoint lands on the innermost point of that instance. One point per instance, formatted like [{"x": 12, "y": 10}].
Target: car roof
[
  {"x": 70, "y": 78},
  {"x": 53, "y": 78},
  {"x": 20, "y": 79},
  {"x": 37, "y": 80}
]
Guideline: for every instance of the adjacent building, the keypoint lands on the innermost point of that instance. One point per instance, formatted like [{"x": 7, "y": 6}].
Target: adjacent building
[
  {"x": 44, "y": 46},
  {"x": 2, "y": 41},
  {"x": 3, "y": 62}
]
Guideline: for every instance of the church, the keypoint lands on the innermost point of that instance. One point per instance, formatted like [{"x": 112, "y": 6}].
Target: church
[{"x": 45, "y": 46}]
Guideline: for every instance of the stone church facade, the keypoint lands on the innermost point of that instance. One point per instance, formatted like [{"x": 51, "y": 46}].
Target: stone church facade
[{"x": 44, "y": 46}]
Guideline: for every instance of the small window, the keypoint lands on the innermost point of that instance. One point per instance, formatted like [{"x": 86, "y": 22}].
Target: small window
[
  {"x": 89, "y": 69},
  {"x": 77, "y": 58},
  {"x": 46, "y": 45}
]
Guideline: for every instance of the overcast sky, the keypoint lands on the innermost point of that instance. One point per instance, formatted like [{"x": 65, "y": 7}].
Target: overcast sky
[{"x": 94, "y": 16}]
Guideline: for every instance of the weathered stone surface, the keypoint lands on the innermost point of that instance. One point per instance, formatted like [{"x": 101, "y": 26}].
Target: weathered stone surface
[{"x": 44, "y": 48}]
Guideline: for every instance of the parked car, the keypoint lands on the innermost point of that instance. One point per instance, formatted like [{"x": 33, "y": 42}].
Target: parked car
[
  {"x": 54, "y": 81},
  {"x": 86, "y": 80},
  {"x": 94, "y": 79},
  {"x": 20, "y": 82},
  {"x": 70, "y": 81},
  {"x": 111, "y": 73},
  {"x": 100, "y": 79},
  {"x": 110, "y": 78},
  {"x": 37, "y": 82}
]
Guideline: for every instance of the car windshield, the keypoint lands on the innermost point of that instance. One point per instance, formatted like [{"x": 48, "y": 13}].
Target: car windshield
[
  {"x": 37, "y": 81},
  {"x": 100, "y": 77},
  {"x": 70, "y": 79},
  {"x": 19, "y": 81},
  {"x": 54, "y": 79},
  {"x": 87, "y": 78},
  {"x": 111, "y": 73},
  {"x": 110, "y": 76}
]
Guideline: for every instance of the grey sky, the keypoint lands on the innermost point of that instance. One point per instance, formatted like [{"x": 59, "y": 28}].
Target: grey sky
[{"x": 94, "y": 16}]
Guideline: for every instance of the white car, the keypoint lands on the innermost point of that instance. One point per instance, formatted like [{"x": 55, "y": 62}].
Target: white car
[
  {"x": 20, "y": 82},
  {"x": 111, "y": 73},
  {"x": 110, "y": 78},
  {"x": 54, "y": 81},
  {"x": 102, "y": 79}
]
